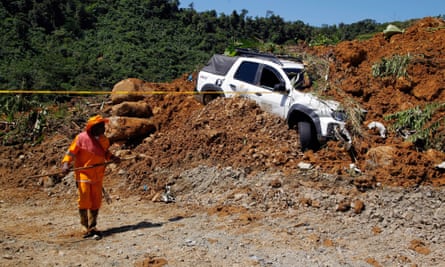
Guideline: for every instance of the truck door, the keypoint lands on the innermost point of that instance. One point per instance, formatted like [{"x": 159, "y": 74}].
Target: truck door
[
  {"x": 266, "y": 92},
  {"x": 241, "y": 80}
]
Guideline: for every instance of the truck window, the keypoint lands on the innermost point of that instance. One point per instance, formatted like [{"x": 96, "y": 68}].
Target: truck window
[
  {"x": 269, "y": 78},
  {"x": 247, "y": 72}
]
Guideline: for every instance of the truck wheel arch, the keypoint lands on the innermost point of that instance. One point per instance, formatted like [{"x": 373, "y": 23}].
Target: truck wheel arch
[
  {"x": 209, "y": 92},
  {"x": 301, "y": 113}
]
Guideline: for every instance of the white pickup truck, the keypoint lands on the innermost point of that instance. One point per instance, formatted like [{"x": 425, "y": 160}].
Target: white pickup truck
[{"x": 273, "y": 83}]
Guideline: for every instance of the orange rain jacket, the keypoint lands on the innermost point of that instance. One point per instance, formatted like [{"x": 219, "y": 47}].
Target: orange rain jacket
[{"x": 86, "y": 150}]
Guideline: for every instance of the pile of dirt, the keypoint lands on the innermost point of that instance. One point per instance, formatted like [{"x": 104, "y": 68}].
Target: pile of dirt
[
  {"x": 235, "y": 132},
  {"x": 350, "y": 77}
]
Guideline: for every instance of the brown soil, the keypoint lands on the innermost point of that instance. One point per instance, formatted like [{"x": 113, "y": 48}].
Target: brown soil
[{"x": 236, "y": 134}]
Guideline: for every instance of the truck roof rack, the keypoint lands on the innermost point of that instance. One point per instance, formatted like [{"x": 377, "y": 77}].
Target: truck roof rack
[
  {"x": 255, "y": 53},
  {"x": 296, "y": 59},
  {"x": 274, "y": 58}
]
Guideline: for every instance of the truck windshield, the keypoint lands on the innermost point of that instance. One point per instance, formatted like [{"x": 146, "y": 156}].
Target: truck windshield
[
  {"x": 295, "y": 75},
  {"x": 291, "y": 73}
]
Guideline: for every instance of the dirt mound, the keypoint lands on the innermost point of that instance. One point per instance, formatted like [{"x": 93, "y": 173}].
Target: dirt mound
[
  {"x": 351, "y": 65},
  {"x": 235, "y": 132},
  {"x": 351, "y": 68}
]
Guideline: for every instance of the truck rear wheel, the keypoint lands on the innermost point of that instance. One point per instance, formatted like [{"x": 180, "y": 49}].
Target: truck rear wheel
[
  {"x": 307, "y": 134},
  {"x": 207, "y": 98}
]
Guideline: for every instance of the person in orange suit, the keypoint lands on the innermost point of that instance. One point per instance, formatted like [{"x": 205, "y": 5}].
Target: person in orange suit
[{"x": 90, "y": 152}]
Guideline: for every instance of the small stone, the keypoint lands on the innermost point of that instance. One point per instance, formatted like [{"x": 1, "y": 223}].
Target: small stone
[
  {"x": 358, "y": 206},
  {"x": 304, "y": 166},
  {"x": 343, "y": 206}
]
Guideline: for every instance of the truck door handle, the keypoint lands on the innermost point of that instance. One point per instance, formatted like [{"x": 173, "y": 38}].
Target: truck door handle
[
  {"x": 233, "y": 87},
  {"x": 258, "y": 94}
]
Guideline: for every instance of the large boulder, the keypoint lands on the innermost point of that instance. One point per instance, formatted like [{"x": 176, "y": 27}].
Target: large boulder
[
  {"x": 138, "y": 109},
  {"x": 130, "y": 89},
  {"x": 380, "y": 157},
  {"x": 129, "y": 129}
]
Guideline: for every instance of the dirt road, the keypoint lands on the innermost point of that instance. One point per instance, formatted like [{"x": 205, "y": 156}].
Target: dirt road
[{"x": 240, "y": 220}]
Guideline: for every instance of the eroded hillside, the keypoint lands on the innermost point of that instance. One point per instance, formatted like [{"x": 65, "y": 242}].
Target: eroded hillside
[{"x": 242, "y": 199}]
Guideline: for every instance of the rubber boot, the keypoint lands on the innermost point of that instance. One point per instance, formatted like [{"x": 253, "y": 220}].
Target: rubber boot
[
  {"x": 93, "y": 218},
  {"x": 84, "y": 220},
  {"x": 93, "y": 222}
]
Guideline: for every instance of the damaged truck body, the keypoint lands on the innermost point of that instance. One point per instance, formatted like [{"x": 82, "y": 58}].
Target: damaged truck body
[{"x": 273, "y": 83}]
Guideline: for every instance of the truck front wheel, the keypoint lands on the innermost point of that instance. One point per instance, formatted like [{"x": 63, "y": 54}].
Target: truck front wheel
[{"x": 308, "y": 138}]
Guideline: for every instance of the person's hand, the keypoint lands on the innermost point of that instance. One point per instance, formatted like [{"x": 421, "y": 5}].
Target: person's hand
[{"x": 65, "y": 168}]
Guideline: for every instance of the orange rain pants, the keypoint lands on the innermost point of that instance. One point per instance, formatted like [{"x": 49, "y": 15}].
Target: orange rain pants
[{"x": 87, "y": 151}]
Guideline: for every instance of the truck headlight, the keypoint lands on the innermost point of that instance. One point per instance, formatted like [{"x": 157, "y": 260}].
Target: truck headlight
[{"x": 339, "y": 115}]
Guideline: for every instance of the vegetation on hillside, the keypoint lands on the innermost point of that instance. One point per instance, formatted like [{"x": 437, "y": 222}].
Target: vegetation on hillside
[
  {"x": 418, "y": 125},
  {"x": 91, "y": 45}
]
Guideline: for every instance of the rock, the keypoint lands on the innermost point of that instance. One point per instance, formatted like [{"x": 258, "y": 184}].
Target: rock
[
  {"x": 304, "y": 166},
  {"x": 138, "y": 109},
  {"x": 275, "y": 183},
  {"x": 358, "y": 206},
  {"x": 48, "y": 181},
  {"x": 379, "y": 157},
  {"x": 126, "y": 128},
  {"x": 130, "y": 89},
  {"x": 343, "y": 206},
  {"x": 419, "y": 247},
  {"x": 307, "y": 202},
  {"x": 439, "y": 214}
]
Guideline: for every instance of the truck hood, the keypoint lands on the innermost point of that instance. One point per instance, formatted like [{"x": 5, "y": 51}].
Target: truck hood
[
  {"x": 320, "y": 104},
  {"x": 323, "y": 107}
]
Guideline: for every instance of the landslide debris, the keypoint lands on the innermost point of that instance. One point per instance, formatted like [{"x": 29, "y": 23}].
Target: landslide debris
[{"x": 179, "y": 133}]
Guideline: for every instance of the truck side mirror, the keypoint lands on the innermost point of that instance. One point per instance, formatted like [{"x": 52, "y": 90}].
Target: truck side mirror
[{"x": 279, "y": 87}]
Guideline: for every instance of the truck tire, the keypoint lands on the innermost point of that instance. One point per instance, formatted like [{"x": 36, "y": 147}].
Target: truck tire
[
  {"x": 207, "y": 98},
  {"x": 308, "y": 139}
]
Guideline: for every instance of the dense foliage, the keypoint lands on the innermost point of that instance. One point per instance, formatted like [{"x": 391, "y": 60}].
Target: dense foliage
[{"x": 91, "y": 45}]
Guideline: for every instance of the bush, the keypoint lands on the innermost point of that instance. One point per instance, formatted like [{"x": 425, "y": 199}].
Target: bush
[
  {"x": 420, "y": 126},
  {"x": 392, "y": 67}
]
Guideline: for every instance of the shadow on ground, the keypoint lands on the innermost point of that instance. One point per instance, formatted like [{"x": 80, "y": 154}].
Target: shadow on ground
[
  {"x": 140, "y": 225},
  {"x": 126, "y": 228}
]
